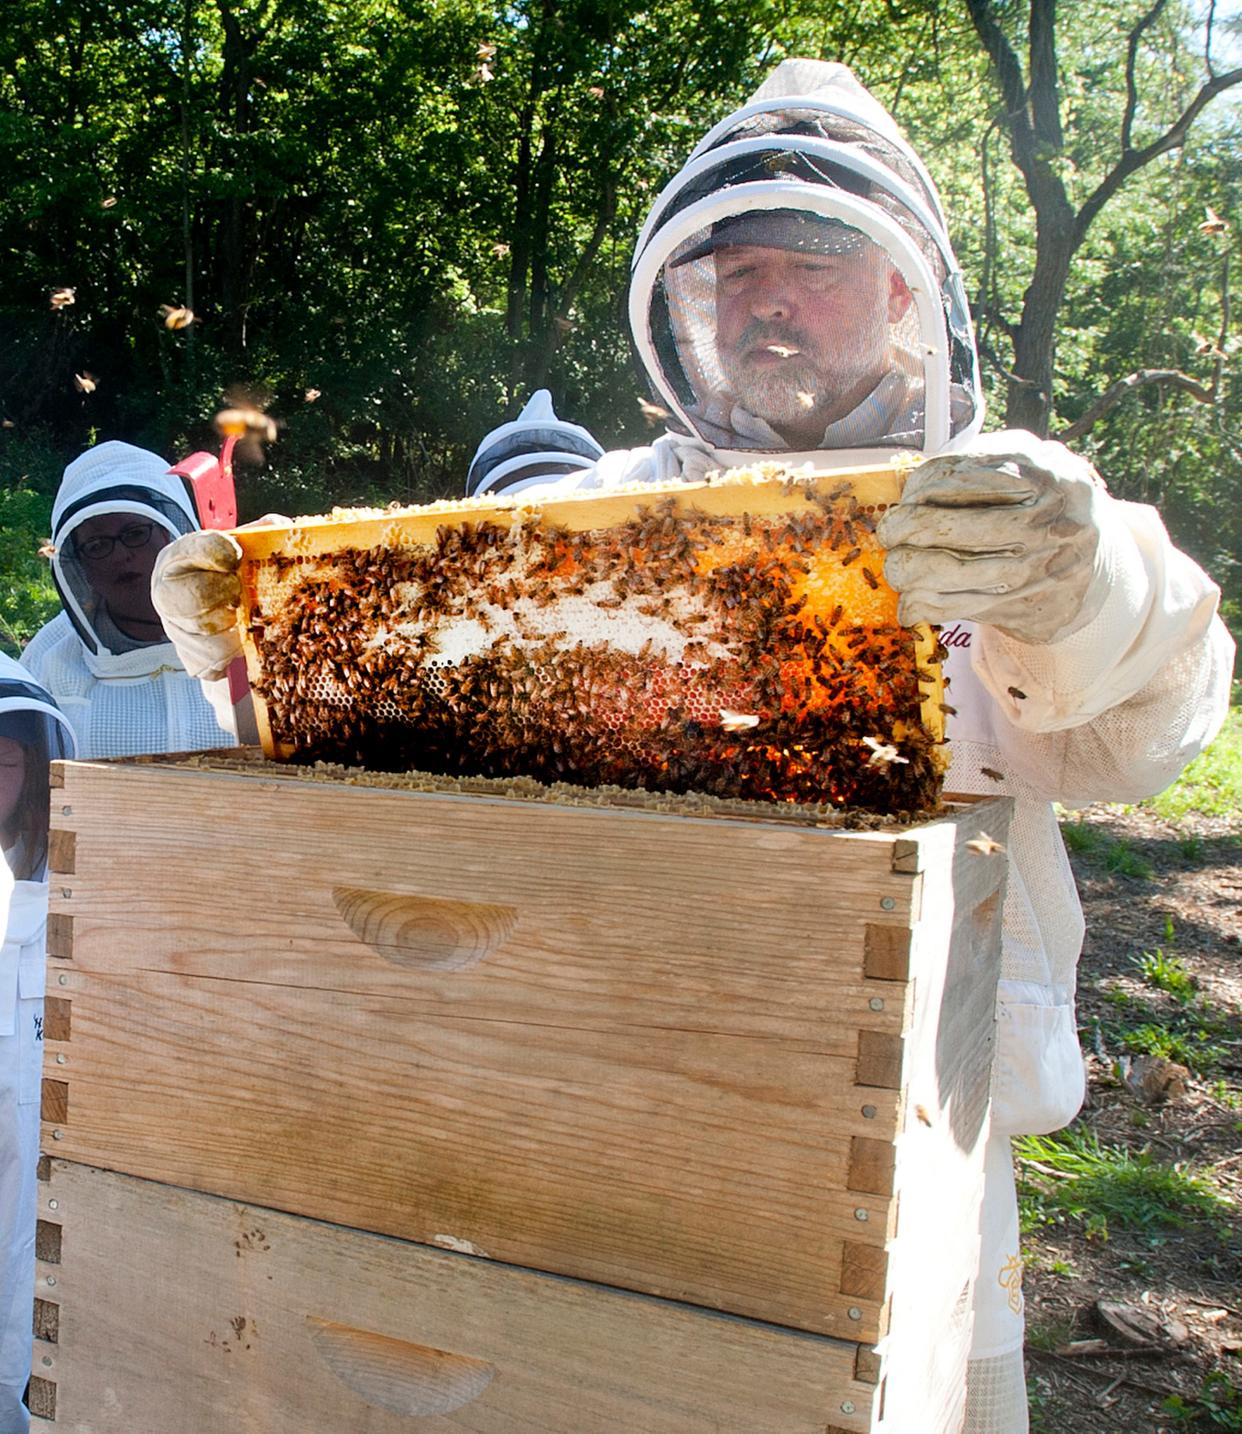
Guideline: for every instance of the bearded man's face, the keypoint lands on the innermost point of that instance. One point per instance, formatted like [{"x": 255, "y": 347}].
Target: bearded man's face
[{"x": 804, "y": 337}]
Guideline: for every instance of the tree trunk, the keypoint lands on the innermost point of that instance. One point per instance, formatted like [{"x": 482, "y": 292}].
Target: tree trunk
[
  {"x": 1029, "y": 399},
  {"x": 235, "y": 85}
]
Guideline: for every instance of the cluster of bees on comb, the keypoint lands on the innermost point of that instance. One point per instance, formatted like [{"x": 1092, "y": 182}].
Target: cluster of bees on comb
[{"x": 752, "y": 655}]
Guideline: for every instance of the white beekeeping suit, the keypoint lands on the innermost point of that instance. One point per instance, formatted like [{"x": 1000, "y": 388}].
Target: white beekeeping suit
[
  {"x": 122, "y": 697},
  {"x": 1087, "y": 665},
  {"x": 29, "y": 722}
]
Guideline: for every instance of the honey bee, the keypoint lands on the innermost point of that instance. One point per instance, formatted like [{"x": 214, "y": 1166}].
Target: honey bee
[
  {"x": 652, "y": 412},
  {"x": 176, "y": 317}
]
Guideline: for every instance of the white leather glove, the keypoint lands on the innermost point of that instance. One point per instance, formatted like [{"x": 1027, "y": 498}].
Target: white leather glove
[
  {"x": 1007, "y": 533},
  {"x": 197, "y": 593}
]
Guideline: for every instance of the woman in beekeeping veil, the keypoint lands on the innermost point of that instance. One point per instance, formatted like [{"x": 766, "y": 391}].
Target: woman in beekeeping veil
[{"x": 33, "y": 732}]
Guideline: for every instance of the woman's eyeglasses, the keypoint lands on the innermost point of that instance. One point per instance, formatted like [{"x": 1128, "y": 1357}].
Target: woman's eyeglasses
[{"x": 137, "y": 535}]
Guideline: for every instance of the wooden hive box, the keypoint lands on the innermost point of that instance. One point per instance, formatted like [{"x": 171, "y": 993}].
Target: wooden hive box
[{"x": 382, "y": 1109}]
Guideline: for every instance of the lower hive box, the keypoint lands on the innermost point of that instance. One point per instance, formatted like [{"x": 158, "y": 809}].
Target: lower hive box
[{"x": 392, "y": 1103}]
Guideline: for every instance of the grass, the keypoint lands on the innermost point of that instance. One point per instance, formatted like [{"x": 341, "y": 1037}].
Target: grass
[
  {"x": 1167, "y": 973},
  {"x": 1038, "y": 1405},
  {"x": 1212, "y": 784},
  {"x": 1192, "y": 1048},
  {"x": 1073, "y": 1176},
  {"x": 1123, "y": 860},
  {"x": 1082, "y": 838},
  {"x": 1217, "y": 1405},
  {"x": 1189, "y": 1033},
  {"x": 1118, "y": 856}
]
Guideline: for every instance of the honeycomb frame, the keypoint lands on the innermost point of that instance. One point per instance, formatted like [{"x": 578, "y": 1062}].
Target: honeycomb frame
[{"x": 733, "y": 637}]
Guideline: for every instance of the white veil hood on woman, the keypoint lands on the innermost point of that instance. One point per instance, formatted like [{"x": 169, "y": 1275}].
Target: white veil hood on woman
[
  {"x": 112, "y": 477},
  {"x": 813, "y": 154},
  {"x": 23, "y": 698}
]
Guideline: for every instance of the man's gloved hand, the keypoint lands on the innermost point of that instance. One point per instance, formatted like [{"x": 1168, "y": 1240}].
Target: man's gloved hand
[
  {"x": 197, "y": 593},
  {"x": 1007, "y": 533}
]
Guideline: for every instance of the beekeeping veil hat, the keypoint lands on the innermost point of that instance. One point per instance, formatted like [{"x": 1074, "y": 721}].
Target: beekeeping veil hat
[
  {"x": 111, "y": 478},
  {"x": 29, "y": 715},
  {"x": 813, "y": 165},
  {"x": 535, "y": 446}
]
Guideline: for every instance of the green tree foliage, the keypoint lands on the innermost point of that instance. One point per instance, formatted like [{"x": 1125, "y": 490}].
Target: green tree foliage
[
  {"x": 1104, "y": 255},
  {"x": 397, "y": 217}
]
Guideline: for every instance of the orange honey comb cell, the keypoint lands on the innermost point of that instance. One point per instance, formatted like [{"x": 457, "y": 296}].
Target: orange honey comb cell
[{"x": 734, "y": 637}]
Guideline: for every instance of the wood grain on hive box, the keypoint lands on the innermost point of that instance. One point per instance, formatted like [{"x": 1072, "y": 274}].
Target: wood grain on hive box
[
  {"x": 703, "y": 1059},
  {"x": 178, "y": 1311}
]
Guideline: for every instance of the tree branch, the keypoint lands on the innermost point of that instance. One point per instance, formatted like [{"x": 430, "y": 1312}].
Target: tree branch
[
  {"x": 989, "y": 227},
  {"x": 988, "y": 352},
  {"x": 1004, "y": 62},
  {"x": 1113, "y": 395},
  {"x": 1135, "y": 159},
  {"x": 1031, "y": 151},
  {"x": 1218, "y": 372},
  {"x": 1208, "y": 25},
  {"x": 1132, "y": 44},
  {"x": 603, "y": 218}
]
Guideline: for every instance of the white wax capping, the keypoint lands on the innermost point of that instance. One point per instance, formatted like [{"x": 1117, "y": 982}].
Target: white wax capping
[{"x": 571, "y": 621}]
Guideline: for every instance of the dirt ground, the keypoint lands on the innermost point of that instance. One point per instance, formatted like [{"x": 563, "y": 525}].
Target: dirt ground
[{"x": 1083, "y": 1376}]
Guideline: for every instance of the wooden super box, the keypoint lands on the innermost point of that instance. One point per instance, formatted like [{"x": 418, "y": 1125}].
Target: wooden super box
[{"x": 383, "y": 1109}]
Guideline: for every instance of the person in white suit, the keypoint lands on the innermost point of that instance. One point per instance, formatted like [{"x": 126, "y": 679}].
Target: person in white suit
[
  {"x": 105, "y": 657},
  {"x": 794, "y": 296},
  {"x": 32, "y": 732}
]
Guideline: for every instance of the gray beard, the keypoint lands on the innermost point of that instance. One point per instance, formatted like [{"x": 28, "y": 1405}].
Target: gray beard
[{"x": 785, "y": 394}]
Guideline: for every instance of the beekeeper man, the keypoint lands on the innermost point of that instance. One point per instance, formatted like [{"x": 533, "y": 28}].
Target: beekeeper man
[
  {"x": 32, "y": 733},
  {"x": 105, "y": 658},
  {"x": 794, "y": 294}
]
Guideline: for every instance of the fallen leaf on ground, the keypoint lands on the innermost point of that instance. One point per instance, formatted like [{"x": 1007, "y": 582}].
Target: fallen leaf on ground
[{"x": 1153, "y": 1079}]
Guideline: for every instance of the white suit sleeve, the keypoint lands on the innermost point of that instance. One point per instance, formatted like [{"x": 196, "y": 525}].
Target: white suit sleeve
[
  {"x": 1115, "y": 711},
  {"x": 671, "y": 458}
]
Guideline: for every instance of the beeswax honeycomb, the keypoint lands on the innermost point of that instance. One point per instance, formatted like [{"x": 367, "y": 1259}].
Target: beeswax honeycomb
[{"x": 735, "y": 638}]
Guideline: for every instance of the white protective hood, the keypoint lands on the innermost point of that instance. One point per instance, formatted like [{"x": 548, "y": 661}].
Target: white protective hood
[
  {"x": 814, "y": 154},
  {"x": 19, "y": 693},
  {"x": 525, "y": 453},
  {"x": 114, "y": 478}
]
